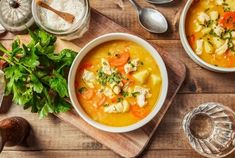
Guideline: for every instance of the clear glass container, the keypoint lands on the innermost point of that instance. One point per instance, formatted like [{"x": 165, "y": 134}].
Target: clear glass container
[
  {"x": 2, "y": 29},
  {"x": 210, "y": 129},
  {"x": 76, "y": 30}
]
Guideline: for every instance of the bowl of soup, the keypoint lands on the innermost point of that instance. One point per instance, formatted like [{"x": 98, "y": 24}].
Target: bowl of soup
[
  {"x": 118, "y": 82},
  {"x": 207, "y": 32}
]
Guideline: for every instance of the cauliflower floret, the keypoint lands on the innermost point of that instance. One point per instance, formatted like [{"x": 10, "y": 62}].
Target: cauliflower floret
[
  {"x": 89, "y": 78},
  {"x": 106, "y": 67},
  {"x": 120, "y": 107},
  {"x": 203, "y": 17},
  {"x": 141, "y": 97},
  {"x": 131, "y": 66}
]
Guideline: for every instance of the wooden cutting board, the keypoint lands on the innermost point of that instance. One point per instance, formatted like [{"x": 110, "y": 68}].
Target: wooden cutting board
[{"x": 129, "y": 144}]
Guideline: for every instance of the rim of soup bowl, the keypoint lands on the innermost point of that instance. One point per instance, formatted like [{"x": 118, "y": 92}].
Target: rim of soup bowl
[
  {"x": 102, "y": 39},
  {"x": 188, "y": 49}
]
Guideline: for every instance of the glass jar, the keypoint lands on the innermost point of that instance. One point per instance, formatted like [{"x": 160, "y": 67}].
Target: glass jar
[
  {"x": 15, "y": 15},
  {"x": 210, "y": 129},
  {"x": 76, "y": 30}
]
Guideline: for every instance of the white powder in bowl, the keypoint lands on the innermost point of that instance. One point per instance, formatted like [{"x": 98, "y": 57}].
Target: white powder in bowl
[{"x": 54, "y": 22}]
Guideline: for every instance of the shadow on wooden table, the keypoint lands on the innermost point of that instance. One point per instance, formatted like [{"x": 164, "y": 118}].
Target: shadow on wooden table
[{"x": 32, "y": 142}]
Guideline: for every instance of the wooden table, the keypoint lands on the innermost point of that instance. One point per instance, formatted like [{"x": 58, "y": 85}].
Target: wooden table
[{"x": 52, "y": 138}]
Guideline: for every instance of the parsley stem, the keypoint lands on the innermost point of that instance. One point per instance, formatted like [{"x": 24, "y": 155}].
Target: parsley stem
[
  {"x": 3, "y": 49},
  {"x": 24, "y": 67},
  {"x": 62, "y": 67},
  {"x": 8, "y": 61}
]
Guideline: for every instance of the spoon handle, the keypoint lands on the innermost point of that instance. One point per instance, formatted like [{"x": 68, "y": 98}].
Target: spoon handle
[
  {"x": 136, "y": 5},
  {"x": 159, "y": 1}
]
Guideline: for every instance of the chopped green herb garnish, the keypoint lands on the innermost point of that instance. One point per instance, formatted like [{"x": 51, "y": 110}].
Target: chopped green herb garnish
[
  {"x": 207, "y": 9},
  {"x": 207, "y": 24},
  {"x": 213, "y": 33},
  {"x": 105, "y": 105},
  {"x": 119, "y": 99},
  {"x": 132, "y": 65},
  {"x": 134, "y": 94},
  {"x": 104, "y": 78},
  {"x": 226, "y": 7},
  {"x": 125, "y": 94},
  {"x": 230, "y": 45},
  {"x": 208, "y": 40},
  {"x": 82, "y": 89},
  {"x": 225, "y": 4}
]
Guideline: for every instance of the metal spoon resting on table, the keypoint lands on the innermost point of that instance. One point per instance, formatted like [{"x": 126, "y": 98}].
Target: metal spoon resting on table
[
  {"x": 159, "y": 1},
  {"x": 150, "y": 19}
]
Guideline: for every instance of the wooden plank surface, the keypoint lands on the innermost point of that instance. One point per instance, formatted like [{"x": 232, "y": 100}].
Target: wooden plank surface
[
  {"x": 128, "y": 144},
  {"x": 128, "y": 18},
  {"x": 53, "y": 135},
  {"x": 63, "y": 140}
]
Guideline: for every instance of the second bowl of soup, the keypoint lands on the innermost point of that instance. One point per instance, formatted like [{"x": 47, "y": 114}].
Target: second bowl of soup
[
  {"x": 207, "y": 32},
  {"x": 118, "y": 82}
]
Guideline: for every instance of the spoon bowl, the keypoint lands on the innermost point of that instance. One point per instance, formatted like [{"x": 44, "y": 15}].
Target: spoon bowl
[
  {"x": 153, "y": 21},
  {"x": 150, "y": 19}
]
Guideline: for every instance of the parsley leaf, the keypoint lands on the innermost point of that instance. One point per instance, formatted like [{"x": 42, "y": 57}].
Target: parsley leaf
[
  {"x": 37, "y": 85},
  {"x": 58, "y": 84},
  {"x": 35, "y": 75}
]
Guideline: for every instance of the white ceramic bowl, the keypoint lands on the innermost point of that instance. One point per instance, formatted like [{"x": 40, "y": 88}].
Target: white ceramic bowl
[
  {"x": 87, "y": 49},
  {"x": 188, "y": 48}
]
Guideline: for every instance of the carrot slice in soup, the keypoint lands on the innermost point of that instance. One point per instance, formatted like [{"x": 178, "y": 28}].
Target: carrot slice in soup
[
  {"x": 138, "y": 111},
  {"x": 114, "y": 100},
  {"x": 119, "y": 60},
  {"x": 192, "y": 40},
  {"x": 88, "y": 94},
  {"x": 85, "y": 66},
  {"x": 228, "y": 20},
  {"x": 121, "y": 69},
  {"x": 230, "y": 59}
]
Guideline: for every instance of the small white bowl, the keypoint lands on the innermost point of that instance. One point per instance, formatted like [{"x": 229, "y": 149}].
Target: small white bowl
[
  {"x": 188, "y": 48},
  {"x": 87, "y": 49}
]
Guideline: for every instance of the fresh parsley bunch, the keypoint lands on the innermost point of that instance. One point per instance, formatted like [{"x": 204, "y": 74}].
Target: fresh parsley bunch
[{"x": 35, "y": 74}]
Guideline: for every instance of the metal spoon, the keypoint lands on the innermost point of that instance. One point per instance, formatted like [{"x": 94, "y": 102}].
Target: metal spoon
[
  {"x": 159, "y": 1},
  {"x": 150, "y": 19}
]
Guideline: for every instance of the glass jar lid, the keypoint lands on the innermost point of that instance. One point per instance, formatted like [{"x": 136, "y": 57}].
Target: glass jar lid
[{"x": 16, "y": 15}]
